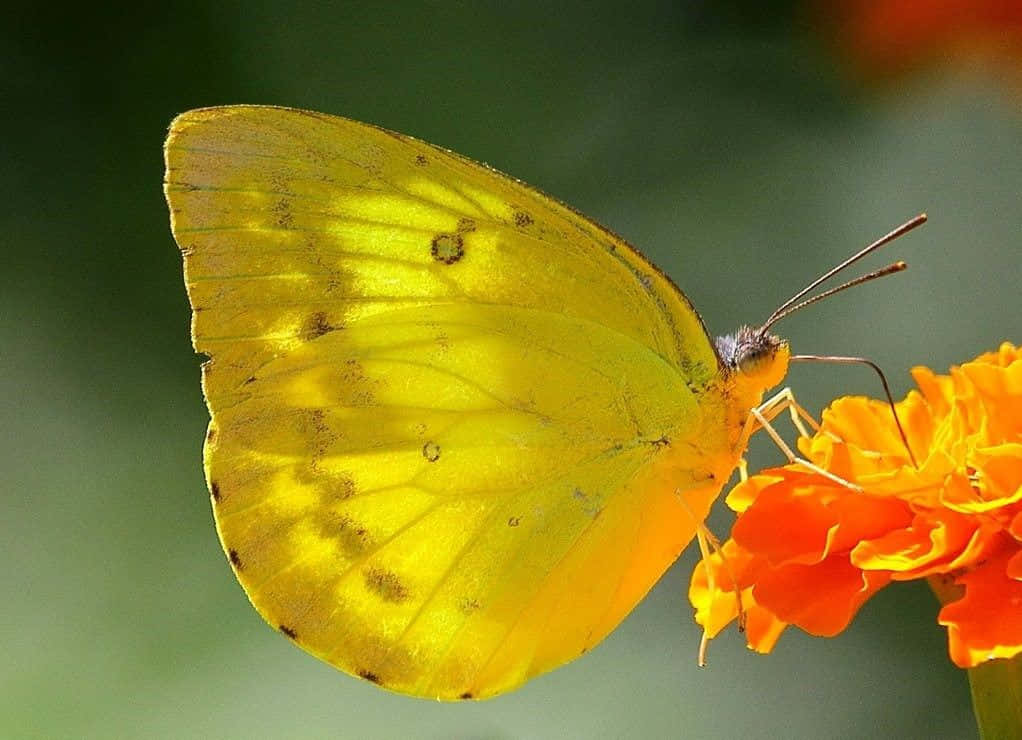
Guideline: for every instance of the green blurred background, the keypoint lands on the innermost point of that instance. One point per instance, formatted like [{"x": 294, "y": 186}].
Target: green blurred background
[{"x": 733, "y": 146}]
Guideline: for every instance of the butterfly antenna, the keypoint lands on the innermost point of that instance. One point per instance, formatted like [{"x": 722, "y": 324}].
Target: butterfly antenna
[
  {"x": 883, "y": 381},
  {"x": 796, "y": 303},
  {"x": 882, "y": 272},
  {"x": 782, "y": 310}
]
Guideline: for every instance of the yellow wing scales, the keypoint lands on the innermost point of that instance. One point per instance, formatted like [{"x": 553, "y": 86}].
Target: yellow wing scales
[{"x": 451, "y": 418}]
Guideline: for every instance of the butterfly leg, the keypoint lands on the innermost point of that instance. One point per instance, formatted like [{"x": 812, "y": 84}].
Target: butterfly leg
[
  {"x": 767, "y": 411},
  {"x": 762, "y": 416},
  {"x": 708, "y": 542},
  {"x": 743, "y": 469},
  {"x": 784, "y": 400},
  {"x": 704, "y": 550}
]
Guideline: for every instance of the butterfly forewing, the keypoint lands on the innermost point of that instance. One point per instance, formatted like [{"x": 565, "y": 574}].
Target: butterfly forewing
[{"x": 453, "y": 421}]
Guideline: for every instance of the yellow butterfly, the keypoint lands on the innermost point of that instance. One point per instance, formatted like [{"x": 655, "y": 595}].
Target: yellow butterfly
[{"x": 458, "y": 429}]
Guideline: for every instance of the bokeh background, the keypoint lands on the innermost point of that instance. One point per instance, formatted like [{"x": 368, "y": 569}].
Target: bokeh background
[{"x": 744, "y": 149}]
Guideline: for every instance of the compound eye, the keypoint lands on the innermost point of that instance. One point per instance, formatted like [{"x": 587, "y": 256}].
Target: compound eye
[{"x": 754, "y": 362}]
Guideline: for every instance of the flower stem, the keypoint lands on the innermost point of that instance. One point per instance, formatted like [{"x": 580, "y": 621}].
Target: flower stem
[
  {"x": 997, "y": 698},
  {"x": 996, "y": 685}
]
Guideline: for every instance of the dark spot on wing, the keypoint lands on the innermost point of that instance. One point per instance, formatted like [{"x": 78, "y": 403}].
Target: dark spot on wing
[
  {"x": 466, "y": 225},
  {"x": 235, "y": 560},
  {"x": 370, "y": 157},
  {"x": 250, "y": 379},
  {"x": 447, "y": 248},
  {"x": 278, "y": 182},
  {"x": 386, "y": 584},
  {"x": 211, "y": 434},
  {"x": 341, "y": 488},
  {"x": 316, "y": 423},
  {"x": 431, "y": 451},
  {"x": 282, "y": 209},
  {"x": 590, "y": 507},
  {"x": 352, "y": 536},
  {"x": 288, "y": 631},
  {"x": 358, "y": 387},
  {"x": 466, "y": 695},
  {"x": 514, "y": 521},
  {"x": 420, "y": 160},
  {"x": 316, "y": 325},
  {"x": 313, "y": 426},
  {"x": 370, "y": 676},
  {"x": 522, "y": 219},
  {"x": 214, "y": 489},
  {"x": 333, "y": 282},
  {"x": 331, "y": 486}
]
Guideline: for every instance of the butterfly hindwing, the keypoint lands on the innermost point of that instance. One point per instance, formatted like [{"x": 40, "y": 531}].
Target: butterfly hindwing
[{"x": 457, "y": 429}]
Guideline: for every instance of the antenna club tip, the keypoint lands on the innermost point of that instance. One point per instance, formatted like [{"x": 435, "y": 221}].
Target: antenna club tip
[
  {"x": 922, "y": 216},
  {"x": 900, "y": 265}
]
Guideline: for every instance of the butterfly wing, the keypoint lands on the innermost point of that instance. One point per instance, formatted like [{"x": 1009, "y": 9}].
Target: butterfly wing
[{"x": 458, "y": 430}]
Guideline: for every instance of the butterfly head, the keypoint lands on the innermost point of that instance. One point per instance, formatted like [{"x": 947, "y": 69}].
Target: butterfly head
[
  {"x": 754, "y": 356},
  {"x": 755, "y": 360}
]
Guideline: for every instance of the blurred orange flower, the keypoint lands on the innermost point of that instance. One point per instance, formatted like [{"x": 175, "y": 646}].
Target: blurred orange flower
[
  {"x": 808, "y": 551},
  {"x": 888, "y": 37}
]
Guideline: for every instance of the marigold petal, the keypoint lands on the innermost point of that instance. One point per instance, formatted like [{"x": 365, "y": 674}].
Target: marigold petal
[
  {"x": 912, "y": 486},
  {"x": 833, "y": 455},
  {"x": 998, "y": 482},
  {"x": 937, "y": 390},
  {"x": 714, "y": 611},
  {"x": 716, "y": 607},
  {"x": 1003, "y": 356},
  {"x": 977, "y": 546},
  {"x": 1014, "y": 567},
  {"x": 744, "y": 493},
  {"x": 866, "y": 425},
  {"x": 821, "y": 598},
  {"x": 762, "y": 628},
  {"x": 986, "y": 623},
  {"x": 917, "y": 418},
  {"x": 786, "y": 524},
  {"x": 861, "y": 517},
  {"x": 1000, "y": 472},
  {"x": 998, "y": 390},
  {"x": 926, "y": 546},
  {"x": 1015, "y": 528},
  {"x": 860, "y": 439}
]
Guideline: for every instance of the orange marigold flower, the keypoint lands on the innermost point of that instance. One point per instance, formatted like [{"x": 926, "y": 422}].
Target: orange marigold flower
[
  {"x": 809, "y": 551},
  {"x": 884, "y": 38}
]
